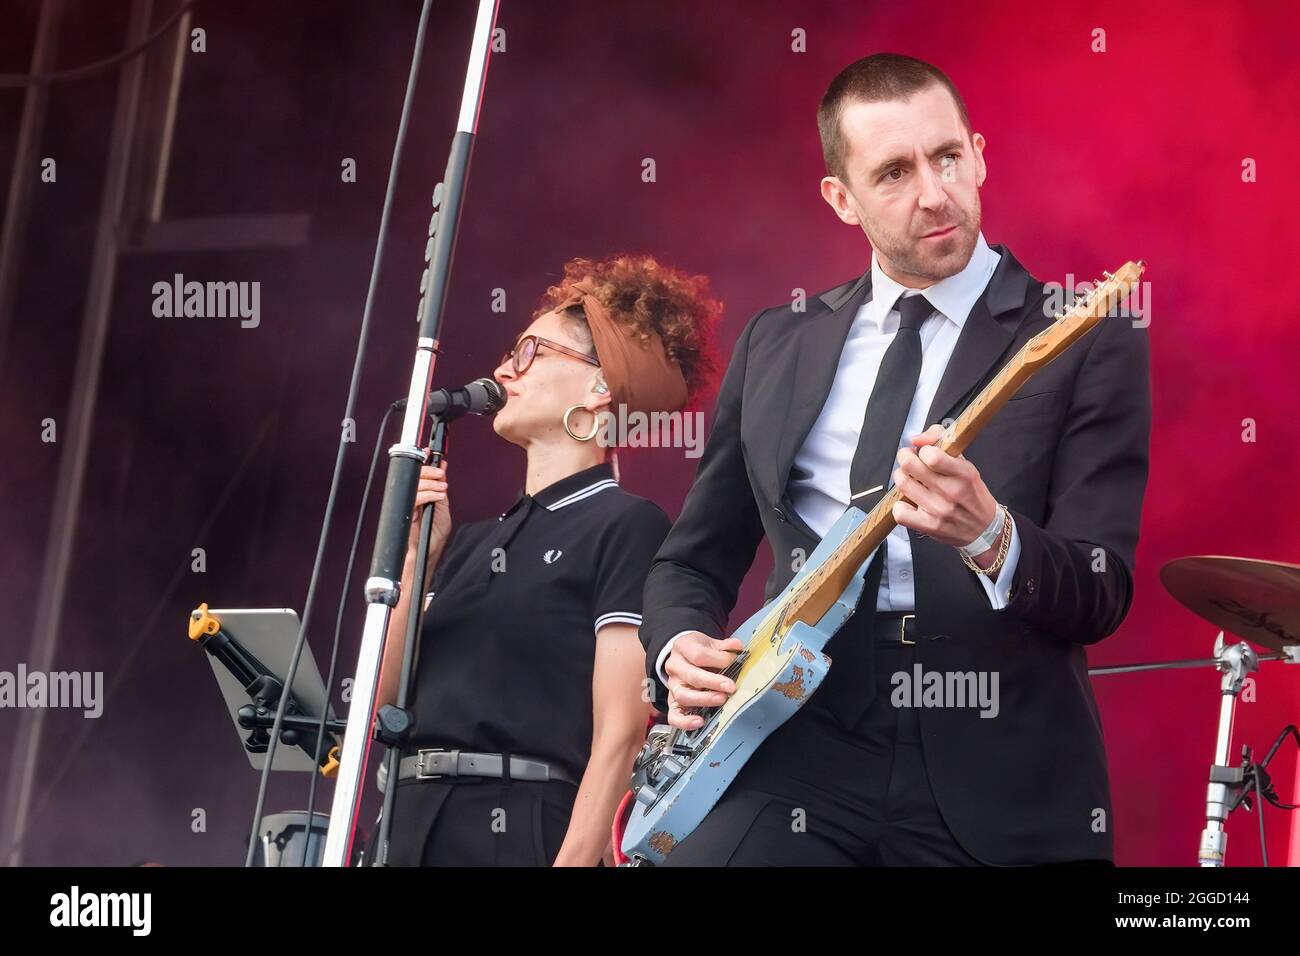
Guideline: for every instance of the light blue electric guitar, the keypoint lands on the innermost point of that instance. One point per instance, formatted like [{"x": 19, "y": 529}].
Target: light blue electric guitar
[{"x": 679, "y": 774}]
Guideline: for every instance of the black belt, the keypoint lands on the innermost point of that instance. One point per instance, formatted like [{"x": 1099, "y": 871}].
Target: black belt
[
  {"x": 894, "y": 627},
  {"x": 436, "y": 764}
]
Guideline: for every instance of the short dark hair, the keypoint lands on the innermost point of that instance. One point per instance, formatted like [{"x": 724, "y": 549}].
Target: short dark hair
[{"x": 874, "y": 79}]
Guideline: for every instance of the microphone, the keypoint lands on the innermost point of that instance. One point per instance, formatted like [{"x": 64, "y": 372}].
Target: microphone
[{"x": 483, "y": 396}]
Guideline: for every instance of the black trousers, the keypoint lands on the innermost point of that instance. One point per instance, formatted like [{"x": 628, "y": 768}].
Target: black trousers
[
  {"x": 479, "y": 821},
  {"x": 816, "y": 794}
]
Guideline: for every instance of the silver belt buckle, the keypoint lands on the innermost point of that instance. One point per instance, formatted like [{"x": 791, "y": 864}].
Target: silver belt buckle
[
  {"x": 902, "y": 630},
  {"x": 419, "y": 763}
]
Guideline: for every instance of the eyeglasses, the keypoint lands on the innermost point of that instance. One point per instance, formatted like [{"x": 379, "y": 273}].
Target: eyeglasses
[{"x": 525, "y": 350}]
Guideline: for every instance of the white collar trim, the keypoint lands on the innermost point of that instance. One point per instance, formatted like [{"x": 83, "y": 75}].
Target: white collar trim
[{"x": 581, "y": 493}]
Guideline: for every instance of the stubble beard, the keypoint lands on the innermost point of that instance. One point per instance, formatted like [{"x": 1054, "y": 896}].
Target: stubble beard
[{"x": 930, "y": 259}]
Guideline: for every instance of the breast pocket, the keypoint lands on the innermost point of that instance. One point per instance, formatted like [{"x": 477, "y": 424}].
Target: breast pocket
[
  {"x": 1033, "y": 405},
  {"x": 1016, "y": 447}
]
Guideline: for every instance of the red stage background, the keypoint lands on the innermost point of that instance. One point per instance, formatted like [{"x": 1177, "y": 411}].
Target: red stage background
[{"x": 1093, "y": 159}]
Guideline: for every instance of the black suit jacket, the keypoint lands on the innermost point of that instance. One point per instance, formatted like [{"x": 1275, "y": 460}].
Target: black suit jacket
[{"x": 1068, "y": 456}]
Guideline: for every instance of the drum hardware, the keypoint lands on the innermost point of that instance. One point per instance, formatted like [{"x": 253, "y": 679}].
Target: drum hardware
[{"x": 1260, "y": 602}]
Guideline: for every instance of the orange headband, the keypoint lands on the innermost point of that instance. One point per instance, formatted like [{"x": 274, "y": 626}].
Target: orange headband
[{"x": 640, "y": 375}]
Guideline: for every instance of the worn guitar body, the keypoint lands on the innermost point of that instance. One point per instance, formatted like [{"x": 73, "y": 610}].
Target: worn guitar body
[
  {"x": 780, "y": 668},
  {"x": 680, "y": 775}
]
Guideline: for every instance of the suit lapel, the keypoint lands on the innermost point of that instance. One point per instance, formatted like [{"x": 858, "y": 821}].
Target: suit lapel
[
  {"x": 985, "y": 337},
  {"x": 814, "y": 370}
]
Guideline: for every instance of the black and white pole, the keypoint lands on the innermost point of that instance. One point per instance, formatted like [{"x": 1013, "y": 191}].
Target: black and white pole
[{"x": 406, "y": 457}]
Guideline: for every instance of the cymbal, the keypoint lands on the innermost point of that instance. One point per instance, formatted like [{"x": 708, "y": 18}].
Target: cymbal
[{"x": 1255, "y": 600}]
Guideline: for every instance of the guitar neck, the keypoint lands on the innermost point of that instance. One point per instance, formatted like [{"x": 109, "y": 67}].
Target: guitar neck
[
  {"x": 826, "y": 583},
  {"x": 819, "y": 590}
]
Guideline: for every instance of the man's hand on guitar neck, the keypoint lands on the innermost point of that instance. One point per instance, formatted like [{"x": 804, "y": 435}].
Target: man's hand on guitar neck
[
  {"x": 949, "y": 500},
  {"x": 694, "y": 676}
]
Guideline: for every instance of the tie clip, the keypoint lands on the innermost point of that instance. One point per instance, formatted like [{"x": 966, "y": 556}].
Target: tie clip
[{"x": 869, "y": 491}]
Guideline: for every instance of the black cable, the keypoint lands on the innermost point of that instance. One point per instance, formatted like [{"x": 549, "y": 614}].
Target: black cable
[
  {"x": 348, "y": 416},
  {"x": 19, "y": 80},
  {"x": 343, "y": 603},
  {"x": 1288, "y": 731},
  {"x": 1259, "y": 804}
]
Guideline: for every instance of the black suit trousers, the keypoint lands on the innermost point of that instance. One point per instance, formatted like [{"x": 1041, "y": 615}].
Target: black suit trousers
[{"x": 479, "y": 821}]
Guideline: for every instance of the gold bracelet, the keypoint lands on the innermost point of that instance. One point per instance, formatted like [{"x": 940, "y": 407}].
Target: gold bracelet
[{"x": 1004, "y": 545}]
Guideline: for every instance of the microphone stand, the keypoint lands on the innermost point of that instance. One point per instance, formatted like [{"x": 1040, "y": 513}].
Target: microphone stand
[
  {"x": 395, "y": 721},
  {"x": 404, "y": 462}
]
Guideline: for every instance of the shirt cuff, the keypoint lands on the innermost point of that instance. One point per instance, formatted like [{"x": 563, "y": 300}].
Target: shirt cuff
[
  {"x": 663, "y": 656},
  {"x": 998, "y": 590}
]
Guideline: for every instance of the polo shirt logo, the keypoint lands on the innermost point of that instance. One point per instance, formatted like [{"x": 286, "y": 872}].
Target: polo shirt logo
[{"x": 550, "y": 557}]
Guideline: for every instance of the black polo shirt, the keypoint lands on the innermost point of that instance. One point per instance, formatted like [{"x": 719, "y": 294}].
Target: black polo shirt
[{"x": 508, "y": 642}]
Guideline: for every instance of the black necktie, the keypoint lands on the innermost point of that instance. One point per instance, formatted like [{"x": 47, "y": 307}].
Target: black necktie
[
  {"x": 850, "y": 686},
  {"x": 891, "y": 397}
]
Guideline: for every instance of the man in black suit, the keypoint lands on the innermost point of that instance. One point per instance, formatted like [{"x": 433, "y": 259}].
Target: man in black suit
[{"x": 1015, "y": 556}]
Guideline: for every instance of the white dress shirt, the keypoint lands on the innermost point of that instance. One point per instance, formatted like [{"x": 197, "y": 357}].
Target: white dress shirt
[{"x": 819, "y": 482}]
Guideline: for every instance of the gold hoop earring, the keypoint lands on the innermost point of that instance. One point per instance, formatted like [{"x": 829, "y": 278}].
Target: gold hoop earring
[{"x": 595, "y": 424}]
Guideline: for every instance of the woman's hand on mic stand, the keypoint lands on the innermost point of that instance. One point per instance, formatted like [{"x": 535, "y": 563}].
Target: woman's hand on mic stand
[{"x": 432, "y": 490}]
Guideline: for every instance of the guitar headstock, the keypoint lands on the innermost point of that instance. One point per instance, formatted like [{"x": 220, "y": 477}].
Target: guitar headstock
[{"x": 1083, "y": 313}]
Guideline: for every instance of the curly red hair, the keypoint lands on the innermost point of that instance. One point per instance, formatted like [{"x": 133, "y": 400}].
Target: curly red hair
[{"x": 644, "y": 295}]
